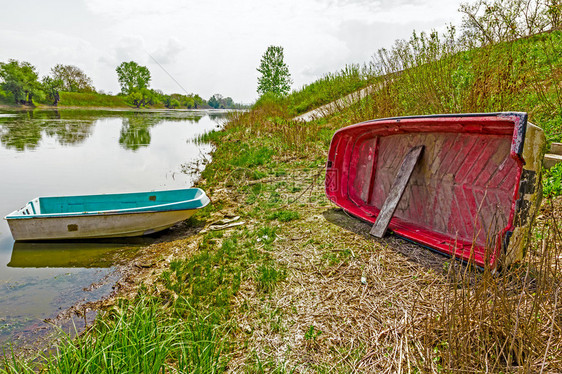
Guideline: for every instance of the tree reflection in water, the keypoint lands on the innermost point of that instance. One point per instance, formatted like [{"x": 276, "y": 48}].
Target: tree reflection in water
[
  {"x": 26, "y": 130},
  {"x": 135, "y": 130},
  {"x": 135, "y": 133}
]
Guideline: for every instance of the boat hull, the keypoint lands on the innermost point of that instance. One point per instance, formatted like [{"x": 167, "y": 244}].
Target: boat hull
[
  {"x": 104, "y": 216},
  {"x": 96, "y": 226},
  {"x": 472, "y": 195}
]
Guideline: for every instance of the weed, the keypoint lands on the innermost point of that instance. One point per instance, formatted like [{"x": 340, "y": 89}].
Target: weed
[
  {"x": 312, "y": 333},
  {"x": 134, "y": 337},
  {"x": 268, "y": 276},
  {"x": 552, "y": 181},
  {"x": 284, "y": 215}
]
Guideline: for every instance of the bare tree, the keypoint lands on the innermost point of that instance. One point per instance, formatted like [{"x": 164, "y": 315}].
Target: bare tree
[
  {"x": 493, "y": 21},
  {"x": 73, "y": 78}
]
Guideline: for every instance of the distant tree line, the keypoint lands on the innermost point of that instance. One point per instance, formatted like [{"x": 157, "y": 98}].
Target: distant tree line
[{"x": 20, "y": 84}]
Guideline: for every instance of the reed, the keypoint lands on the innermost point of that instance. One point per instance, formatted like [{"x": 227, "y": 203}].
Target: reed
[
  {"x": 499, "y": 321},
  {"x": 430, "y": 74}
]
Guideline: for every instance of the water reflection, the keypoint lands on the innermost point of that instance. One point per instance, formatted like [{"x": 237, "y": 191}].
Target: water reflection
[
  {"x": 135, "y": 133},
  {"x": 70, "y": 254},
  {"x": 216, "y": 116},
  {"x": 26, "y": 129},
  {"x": 135, "y": 130}
]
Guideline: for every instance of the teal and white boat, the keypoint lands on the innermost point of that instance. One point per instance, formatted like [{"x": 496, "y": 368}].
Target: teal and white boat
[{"x": 104, "y": 216}]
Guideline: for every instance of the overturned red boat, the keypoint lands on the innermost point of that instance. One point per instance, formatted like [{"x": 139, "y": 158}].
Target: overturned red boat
[{"x": 472, "y": 194}]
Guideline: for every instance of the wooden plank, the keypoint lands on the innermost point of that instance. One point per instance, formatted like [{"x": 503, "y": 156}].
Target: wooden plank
[
  {"x": 556, "y": 148},
  {"x": 550, "y": 160},
  {"x": 396, "y": 191}
]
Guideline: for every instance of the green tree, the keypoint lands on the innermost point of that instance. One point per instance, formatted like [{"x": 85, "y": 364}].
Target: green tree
[
  {"x": 198, "y": 101},
  {"x": 275, "y": 77},
  {"x": 218, "y": 101},
  {"x": 132, "y": 76},
  {"x": 215, "y": 101},
  {"x": 20, "y": 79},
  {"x": 134, "y": 80},
  {"x": 228, "y": 102},
  {"x": 51, "y": 87},
  {"x": 190, "y": 102},
  {"x": 72, "y": 78}
]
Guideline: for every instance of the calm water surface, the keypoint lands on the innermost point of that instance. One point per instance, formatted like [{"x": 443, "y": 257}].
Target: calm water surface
[{"x": 70, "y": 152}]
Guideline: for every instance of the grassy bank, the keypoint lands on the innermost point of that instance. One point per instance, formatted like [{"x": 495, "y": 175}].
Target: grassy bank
[
  {"x": 91, "y": 99},
  {"x": 81, "y": 100},
  {"x": 523, "y": 75},
  {"x": 301, "y": 287}
]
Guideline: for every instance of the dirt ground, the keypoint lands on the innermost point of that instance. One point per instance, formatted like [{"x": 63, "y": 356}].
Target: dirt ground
[{"x": 349, "y": 301}]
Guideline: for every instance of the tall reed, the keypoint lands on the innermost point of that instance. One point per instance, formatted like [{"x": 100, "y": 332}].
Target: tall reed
[{"x": 500, "y": 321}]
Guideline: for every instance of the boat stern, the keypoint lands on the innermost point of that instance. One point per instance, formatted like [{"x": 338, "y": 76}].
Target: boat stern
[{"x": 529, "y": 195}]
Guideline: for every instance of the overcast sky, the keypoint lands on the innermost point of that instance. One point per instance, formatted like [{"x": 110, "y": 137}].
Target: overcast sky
[{"x": 210, "y": 46}]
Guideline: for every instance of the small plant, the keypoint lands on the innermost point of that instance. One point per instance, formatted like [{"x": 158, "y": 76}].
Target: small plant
[
  {"x": 312, "y": 334},
  {"x": 552, "y": 181},
  {"x": 268, "y": 276},
  {"x": 266, "y": 234}
]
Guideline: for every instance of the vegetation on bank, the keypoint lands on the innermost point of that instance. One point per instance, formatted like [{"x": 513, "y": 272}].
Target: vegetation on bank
[
  {"x": 301, "y": 287},
  {"x": 91, "y": 99},
  {"x": 68, "y": 85}
]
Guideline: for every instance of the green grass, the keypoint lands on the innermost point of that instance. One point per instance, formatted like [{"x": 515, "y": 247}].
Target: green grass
[
  {"x": 91, "y": 99},
  {"x": 552, "y": 181},
  {"x": 268, "y": 276},
  {"x": 284, "y": 215},
  {"x": 136, "y": 337},
  {"x": 518, "y": 76},
  {"x": 329, "y": 88},
  {"x": 212, "y": 136}
]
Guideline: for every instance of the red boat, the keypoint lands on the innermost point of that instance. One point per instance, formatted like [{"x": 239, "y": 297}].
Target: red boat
[{"x": 472, "y": 194}]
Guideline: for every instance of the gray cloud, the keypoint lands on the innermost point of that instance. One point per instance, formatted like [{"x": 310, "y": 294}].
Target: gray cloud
[
  {"x": 168, "y": 53},
  {"x": 212, "y": 46}
]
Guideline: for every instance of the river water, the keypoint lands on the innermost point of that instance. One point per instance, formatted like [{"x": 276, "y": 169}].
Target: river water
[{"x": 72, "y": 152}]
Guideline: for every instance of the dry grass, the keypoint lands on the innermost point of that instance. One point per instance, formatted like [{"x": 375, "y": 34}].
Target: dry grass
[
  {"x": 352, "y": 303},
  {"x": 324, "y": 317}
]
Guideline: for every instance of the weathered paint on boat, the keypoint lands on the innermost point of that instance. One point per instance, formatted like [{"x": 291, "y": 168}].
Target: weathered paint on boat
[
  {"x": 104, "y": 216},
  {"x": 473, "y": 194}
]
